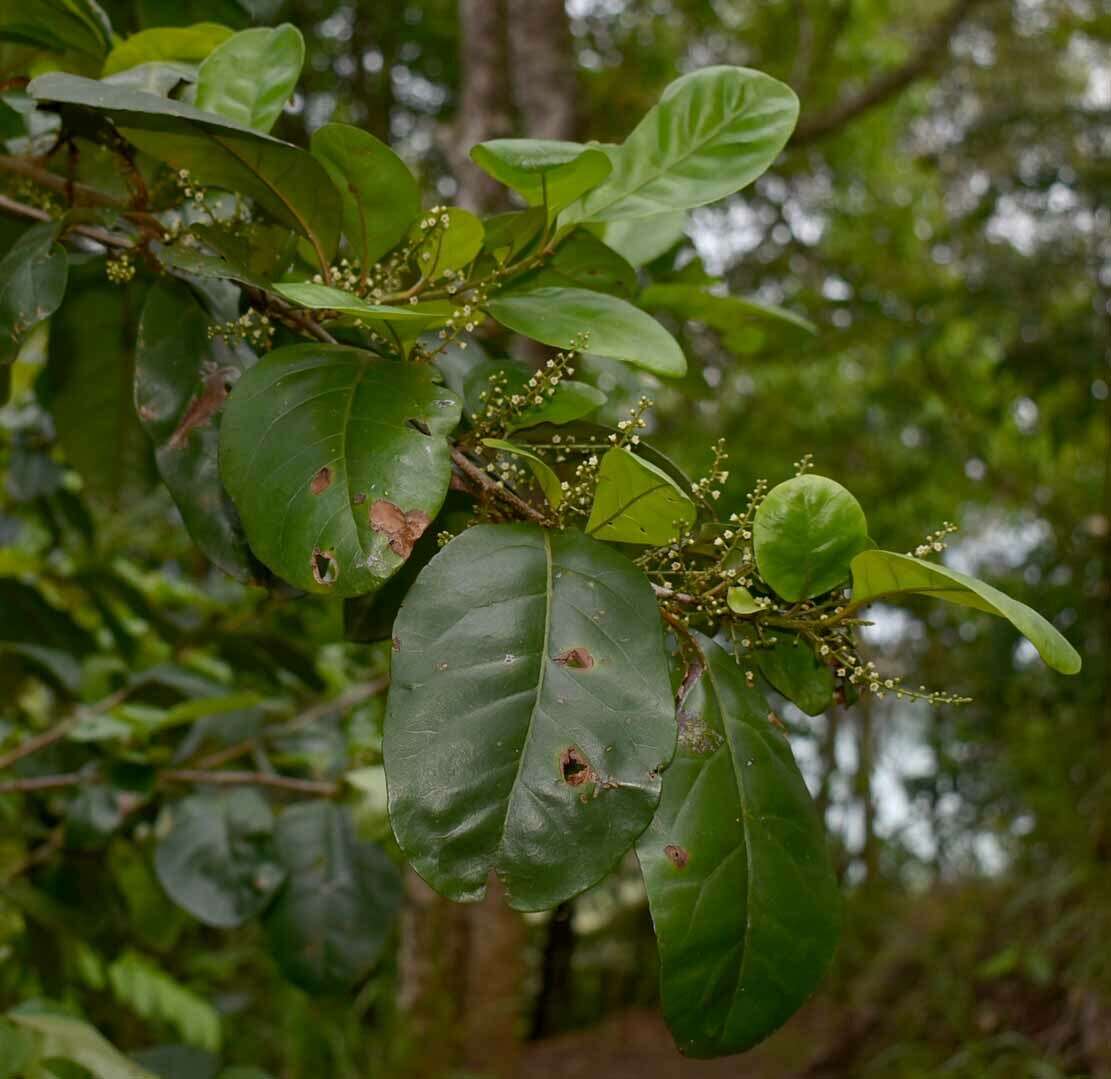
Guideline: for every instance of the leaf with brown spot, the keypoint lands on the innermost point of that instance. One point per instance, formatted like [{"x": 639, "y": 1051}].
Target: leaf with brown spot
[
  {"x": 575, "y": 768},
  {"x": 677, "y": 856},
  {"x": 403, "y": 529},
  {"x": 577, "y": 659}
]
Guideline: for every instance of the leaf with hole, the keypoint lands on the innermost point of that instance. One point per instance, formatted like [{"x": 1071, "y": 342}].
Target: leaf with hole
[
  {"x": 543, "y": 171},
  {"x": 337, "y": 460},
  {"x": 286, "y": 182},
  {"x": 529, "y": 714},
  {"x": 189, "y": 44},
  {"x": 637, "y": 502},
  {"x": 804, "y": 535},
  {"x": 742, "y": 894},
  {"x": 330, "y": 923},
  {"x": 883, "y": 575},
  {"x": 182, "y": 379},
  {"x": 380, "y": 196},
  {"x": 33, "y": 277},
  {"x": 595, "y": 322},
  {"x": 713, "y": 132},
  {"x": 793, "y": 669},
  {"x": 541, "y": 470},
  {"x": 216, "y": 859}
]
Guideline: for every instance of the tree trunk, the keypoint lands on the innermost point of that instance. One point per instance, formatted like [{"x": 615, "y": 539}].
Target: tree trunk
[
  {"x": 544, "y": 71},
  {"x": 865, "y": 764}
]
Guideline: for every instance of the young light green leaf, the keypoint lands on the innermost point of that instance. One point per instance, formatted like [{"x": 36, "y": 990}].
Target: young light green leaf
[
  {"x": 249, "y": 78},
  {"x": 885, "y": 574},
  {"x": 636, "y": 502},
  {"x": 190, "y": 44},
  {"x": 792, "y": 668},
  {"x": 804, "y": 535},
  {"x": 288, "y": 183},
  {"x": 742, "y": 895},
  {"x": 63, "y": 1037},
  {"x": 325, "y": 298},
  {"x": 450, "y": 246},
  {"x": 330, "y": 923},
  {"x": 380, "y": 197},
  {"x": 725, "y": 314},
  {"x": 33, "y": 277},
  {"x": 595, "y": 322},
  {"x": 571, "y": 401},
  {"x": 337, "y": 461},
  {"x": 216, "y": 860},
  {"x": 742, "y": 601},
  {"x": 548, "y": 480},
  {"x": 543, "y": 171},
  {"x": 712, "y": 133},
  {"x": 529, "y": 714}
]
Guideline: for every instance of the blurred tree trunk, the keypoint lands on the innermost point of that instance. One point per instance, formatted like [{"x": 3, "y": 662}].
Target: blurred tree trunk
[
  {"x": 555, "y": 971},
  {"x": 544, "y": 70},
  {"x": 865, "y": 765}
]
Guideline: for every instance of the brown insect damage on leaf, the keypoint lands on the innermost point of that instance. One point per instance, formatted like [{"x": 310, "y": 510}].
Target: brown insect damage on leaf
[
  {"x": 321, "y": 481},
  {"x": 203, "y": 407},
  {"x": 575, "y": 768},
  {"x": 401, "y": 528},
  {"x": 578, "y": 659},
  {"x": 677, "y": 856},
  {"x": 359, "y": 499},
  {"x": 325, "y": 568}
]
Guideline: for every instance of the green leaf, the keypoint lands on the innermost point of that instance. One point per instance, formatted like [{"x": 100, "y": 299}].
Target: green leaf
[
  {"x": 89, "y": 387},
  {"x": 190, "y": 44},
  {"x": 216, "y": 860},
  {"x": 324, "y": 297},
  {"x": 805, "y": 533},
  {"x": 564, "y": 317},
  {"x": 33, "y": 277},
  {"x": 740, "y": 887},
  {"x": 742, "y": 601},
  {"x": 507, "y": 235},
  {"x": 253, "y": 253},
  {"x": 885, "y": 574},
  {"x": 380, "y": 197},
  {"x": 161, "y": 77},
  {"x": 451, "y": 246},
  {"x": 712, "y": 133},
  {"x": 792, "y": 668},
  {"x": 16, "y": 1049},
  {"x": 529, "y": 714},
  {"x": 151, "y": 993},
  {"x": 543, "y": 170},
  {"x": 288, "y": 183},
  {"x": 181, "y": 383},
  {"x": 337, "y": 460},
  {"x": 640, "y": 240},
  {"x": 56, "y": 25},
  {"x": 571, "y": 401},
  {"x": 72, "y": 1040},
  {"x": 582, "y": 261},
  {"x": 636, "y": 502},
  {"x": 726, "y": 314},
  {"x": 249, "y": 78},
  {"x": 330, "y": 924},
  {"x": 548, "y": 480}
]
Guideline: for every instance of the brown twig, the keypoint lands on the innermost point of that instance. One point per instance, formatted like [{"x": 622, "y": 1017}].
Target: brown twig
[
  {"x": 249, "y": 779},
  {"x": 663, "y": 592},
  {"x": 92, "y": 232},
  {"x": 494, "y": 490},
  {"x": 44, "y": 783}
]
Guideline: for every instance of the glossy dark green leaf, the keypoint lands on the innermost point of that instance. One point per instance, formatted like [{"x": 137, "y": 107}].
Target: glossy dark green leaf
[
  {"x": 249, "y": 77},
  {"x": 323, "y": 297},
  {"x": 885, "y": 575},
  {"x": 380, "y": 196},
  {"x": 288, "y": 183},
  {"x": 565, "y": 317},
  {"x": 330, "y": 923},
  {"x": 337, "y": 461},
  {"x": 543, "y": 171},
  {"x": 42, "y": 635},
  {"x": 56, "y": 25},
  {"x": 529, "y": 714},
  {"x": 726, "y": 314},
  {"x": 216, "y": 860},
  {"x": 253, "y": 253},
  {"x": 89, "y": 386},
  {"x": 804, "y": 535},
  {"x": 713, "y": 132},
  {"x": 182, "y": 379},
  {"x": 582, "y": 261},
  {"x": 792, "y": 668},
  {"x": 33, "y": 277},
  {"x": 545, "y": 477},
  {"x": 190, "y": 44},
  {"x": 637, "y": 502},
  {"x": 571, "y": 401},
  {"x": 507, "y": 235},
  {"x": 740, "y": 886}
]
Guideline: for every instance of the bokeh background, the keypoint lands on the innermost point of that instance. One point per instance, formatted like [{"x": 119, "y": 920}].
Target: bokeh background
[{"x": 943, "y": 214}]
